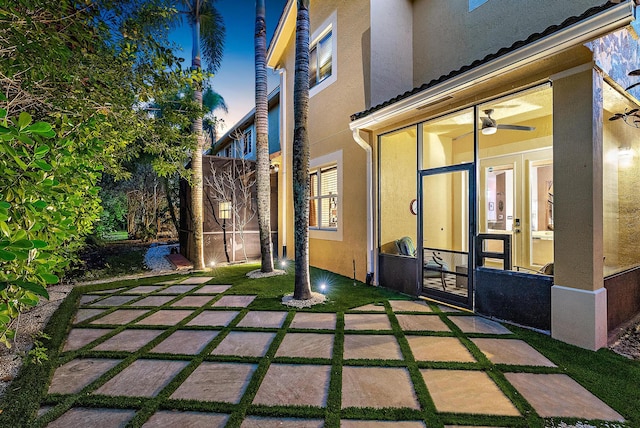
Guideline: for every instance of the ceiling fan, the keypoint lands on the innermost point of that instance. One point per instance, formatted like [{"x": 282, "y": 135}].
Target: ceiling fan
[
  {"x": 490, "y": 126},
  {"x": 631, "y": 117}
]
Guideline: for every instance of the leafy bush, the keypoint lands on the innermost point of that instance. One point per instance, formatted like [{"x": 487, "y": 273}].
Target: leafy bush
[{"x": 48, "y": 202}]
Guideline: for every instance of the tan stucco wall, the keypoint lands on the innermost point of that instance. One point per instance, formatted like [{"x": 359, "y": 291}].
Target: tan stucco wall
[{"x": 446, "y": 36}]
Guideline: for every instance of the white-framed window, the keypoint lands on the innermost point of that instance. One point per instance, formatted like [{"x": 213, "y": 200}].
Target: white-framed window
[
  {"x": 325, "y": 197},
  {"x": 323, "y": 56}
]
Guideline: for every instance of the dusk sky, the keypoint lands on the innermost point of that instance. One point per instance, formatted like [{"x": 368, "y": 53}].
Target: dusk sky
[{"x": 235, "y": 78}]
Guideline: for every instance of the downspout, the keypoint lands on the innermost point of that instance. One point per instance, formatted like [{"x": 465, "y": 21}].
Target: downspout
[
  {"x": 283, "y": 150},
  {"x": 370, "y": 250}
]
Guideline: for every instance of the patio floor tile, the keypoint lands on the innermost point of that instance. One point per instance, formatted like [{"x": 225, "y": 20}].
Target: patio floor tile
[
  {"x": 366, "y": 322},
  {"x": 306, "y": 345},
  {"x": 188, "y": 342},
  {"x": 165, "y": 317},
  {"x": 557, "y": 395},
  {"x": 108, "y": 291},
  {"x": 258, "y": 422},
  {"x": 244, "y": 344},
  {"x": 421, "y": 323},
  {"x": 263, "y": 319},
  {"x": 144, "y": 289},
  {"x": 88, "y": 298},
  {"x": 294, "y": 385},
  {"x": 212, "y": 289},
  {"x": 80, "y": 417},
  {"x": 120, "y": 316},
  {"x": 78, "y": 337},
  {"x": 214, "y": 318},
  {"x": 372, "y": 307},
  {"x": 143, "y": 378},
  {"x": 234, "y": 301},
  {"x": 223, "y": 382},
  {"x": 409, "y": 306},
  {"x": 153, "y": 301},
  {"x": 378, "y": 387},
  {"x": 114, "y": 301},
  {"x": 85, "y": 314},
  {"x": 178, "y": 289},
  {"x": 444, "y": 308},
  {"x": 196, "y": 280},
  {"x": 467, "y": 391},
  {"x": 76, "y": 374},
  {"x": 433, "y": 348},
  {"x": 196, "y": 301},
  {"x": 371, "y": 347},
  {"x": 347, "y": 423},
  {"x": 314, "y": 321},
  {"x": 168, "y": 418},
  {"x": 510, "y": 351},
  {"x": 473, "y": 324},
  {"x": 128, "y": 340}
]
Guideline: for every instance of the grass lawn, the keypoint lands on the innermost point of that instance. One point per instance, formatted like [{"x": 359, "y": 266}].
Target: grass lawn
[{"x": 610, "y": 377}]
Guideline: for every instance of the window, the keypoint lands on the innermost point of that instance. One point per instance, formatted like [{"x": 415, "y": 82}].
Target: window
[
  {"x": 323, "y": 198},
  {"x": 247, "y": 142},
  {"x": 320, "y": 60}
]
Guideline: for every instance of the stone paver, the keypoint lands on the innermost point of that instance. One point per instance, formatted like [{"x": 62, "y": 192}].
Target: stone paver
[
  {"x": 144, "y": 289},
  {"x": 306, "y": 345},
  {"x": 188, "y": 342},
  {"x": 421, "y": 323},
  {"x": 214, "y": 318},
  {"x": 263, "y": 319},
  {"x": 434, "y": 348},
  {"x": 76, "y": 374},
  {"x": 467, "y": 391},
  {"x": 510, "y": 351},
  {"x": 78, "y": 337},
  {"x": 196, "y": 280},
  {"x": 244, "y": 344},
  {"x": 378, "y": 387},
  {"x": 346, "y": 423},
  {"x": 259, "y": 422},
  {"x": 473, "y": 324},
  {"x": 85, "y": 314},
  {"x": 165, "y": 418},
  {"x": 178, "y": 289},
  {"x": 108, "y": 291},
  {"x": 234, "y": 301},
  {"x": 143, "y": 378},
  {"x": 80, "y": 417},
  {"x": 557, "y": 395},
  {"x": 409, "y": 306},
  {"x": 153, "y": 301},
  {"x": 372, "y": 307},
  {"x": 294, "y": 385},
  {"x": 88, "y": 298},
  {"x": 120, "y": 316},
  {"x": 172, "y": 281},
  {"x": 212, "y": 289},
  {"x": 165, "y": 317},
  {"x": 192, "y": 301},
  {"x": 224, "y": 382},
  {"x": 371, "y": 347},
  {"x": 444, "y": 308},
  {"x": 114, "y": 301},
  {"x": 128, "y": 340},
  {"x": 366, "y": 322},
  {"x": 314, "y": 321}
]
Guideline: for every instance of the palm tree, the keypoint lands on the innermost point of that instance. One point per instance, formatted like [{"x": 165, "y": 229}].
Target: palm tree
[
  {"x": 302, "y": 287},
  {"x": 202, "y": 15},
  {"x": 262, "y": 140}
]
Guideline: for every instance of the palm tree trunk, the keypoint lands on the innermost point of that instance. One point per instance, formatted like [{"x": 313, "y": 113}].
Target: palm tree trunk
[
  {"x": 196, "y": 162},
  {"x": 262, "y": 140},
  {"x": 302, "y": 287}
]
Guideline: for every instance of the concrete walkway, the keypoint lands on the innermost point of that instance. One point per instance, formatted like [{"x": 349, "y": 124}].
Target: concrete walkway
[{"x": 190, "y": 354}]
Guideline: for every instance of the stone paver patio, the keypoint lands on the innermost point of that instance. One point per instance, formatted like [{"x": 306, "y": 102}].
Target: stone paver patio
[{"x": 187, "y": 354}]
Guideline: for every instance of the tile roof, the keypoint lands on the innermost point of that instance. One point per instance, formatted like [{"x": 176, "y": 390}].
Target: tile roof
[{"x": 503, "y": 51}]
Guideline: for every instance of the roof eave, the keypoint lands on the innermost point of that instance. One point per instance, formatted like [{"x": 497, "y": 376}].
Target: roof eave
[
  {"x": 281, "y": 34},
  {"x": 579, "y": 33}
]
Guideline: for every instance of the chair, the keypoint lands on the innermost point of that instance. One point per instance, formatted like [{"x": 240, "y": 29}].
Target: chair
[
  {"x": 544, "y": 270},
  {"x": 433, "y": 268}
]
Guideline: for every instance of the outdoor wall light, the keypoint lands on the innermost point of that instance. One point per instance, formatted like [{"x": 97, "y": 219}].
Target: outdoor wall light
[
  {"x": 275, "y": 167},
  {"x": 224, "y": 210}
]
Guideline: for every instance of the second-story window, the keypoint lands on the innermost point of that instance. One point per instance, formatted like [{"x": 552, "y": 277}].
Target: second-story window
[
  {"x": 247, "y": 142},
  {"x": 323, "y": 198},
  {"x": 320, "y": 59}
]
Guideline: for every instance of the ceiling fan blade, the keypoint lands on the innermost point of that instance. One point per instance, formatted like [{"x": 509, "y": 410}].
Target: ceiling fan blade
[
  {"x": 517, "y": 127},
  {"x": 462, "y": 136},
  {"x": 616, "y": 116},
  {"x": 632, "y": 86},
  {"x": 634, "y": 72}
]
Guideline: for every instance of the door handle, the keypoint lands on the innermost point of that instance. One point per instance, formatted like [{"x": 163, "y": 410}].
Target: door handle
[{"x": 516, "y": 230}]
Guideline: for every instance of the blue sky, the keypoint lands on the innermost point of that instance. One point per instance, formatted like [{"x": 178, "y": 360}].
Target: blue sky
[{"x": 235, "y": 78}]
